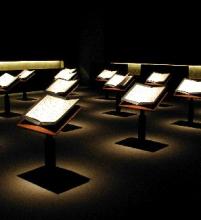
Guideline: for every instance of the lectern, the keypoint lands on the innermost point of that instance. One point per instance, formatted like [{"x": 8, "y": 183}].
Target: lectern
[
  {"x": 103, "y": 77},
  {"x": 119, "y": 91},
  {"x": 24, "y": 81},
  {"x": 189, "y": 90},
  {"x": 141, "y": 142},
  {"x": 62, "y": 87},
  {"x": 191, "y": 99},
  {"x": 5, "y": 91},
  {"x": 49, "y": 176}
]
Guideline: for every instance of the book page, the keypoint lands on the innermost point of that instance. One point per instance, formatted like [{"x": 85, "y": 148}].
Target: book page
[
  {"x": 126, "y": 80},
  {"x": 25, "y": 74},
  {"x": 115, "y": 80},
  {"x": 66, "y": 74},
  {"x": 140, "y": 94},
  {"x": 106, "y": 74},
  {"x": 189, "y": 86},
  {"x": 6, "y": 79},
  {"x": 158, "y": 77},
  {"x": 61, "y": 85},
  {"x": 50, "y": 109}
]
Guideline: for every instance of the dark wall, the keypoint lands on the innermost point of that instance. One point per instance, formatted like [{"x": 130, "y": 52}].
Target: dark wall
[
  {"x": 162, "y": 33},
  {"x": 37, "y": 32}
]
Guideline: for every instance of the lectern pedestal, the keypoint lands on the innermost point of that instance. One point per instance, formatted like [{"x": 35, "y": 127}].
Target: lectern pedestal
[
  {"x": 24, "y": 87},
  {"x": 141, "y": 142},
  {"x": 119, "y": 92},
  {"x": 7, "y": 107},
  {"x": 191, "y": 110},
  {"x": 49, "y": 176},
  {"x": 102, "y": 82}
]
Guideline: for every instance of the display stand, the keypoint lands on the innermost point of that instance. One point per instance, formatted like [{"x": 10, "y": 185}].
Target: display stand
[
  {"x": 68, "y": 92},
  {"x": 191, "y": 110},
  {"x": 5, "y": 91},
  {"x": 49, "y": 176},
  {"x": 119, "y": 92},
  {"x": 102, "y": 82},
  {"x": 24, "y": 88},
  {"x": 141, "y": 142},
  {"x": 160, "y": 84}
]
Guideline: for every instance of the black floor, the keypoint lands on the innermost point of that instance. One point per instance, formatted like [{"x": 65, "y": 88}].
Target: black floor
[{"x": 110, "y": 178}]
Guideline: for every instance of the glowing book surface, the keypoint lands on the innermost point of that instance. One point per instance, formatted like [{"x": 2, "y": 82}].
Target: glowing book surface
[
  {"x": 115, "y": 80},
  {"x": 158, "y": 77},
  {"x": 126, "y": 80},
  {"x": 118, "y": 80},
  {"x": 49, "y": 110},
  {"x": 188, "y": 86},
  {"x": 143, "y": 94},
  {"x": 25, "y": 74},
  {"x": 66, "y": 74},
  {"x": 61, "y": 86},
  {"x": 6, "y": 79},
  {"x": 106, "y": 74}
]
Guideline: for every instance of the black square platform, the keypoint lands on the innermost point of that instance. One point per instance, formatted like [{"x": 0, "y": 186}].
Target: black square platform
[{"x": 57, "y": 180}]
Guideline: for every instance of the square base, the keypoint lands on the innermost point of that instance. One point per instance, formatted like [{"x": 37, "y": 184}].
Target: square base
[
  {"x": 120, "y": 114},
  {"x": 147, "y": 145},
  {"x": 188, "y": 124},
  {"x": 56, "y": 179}
]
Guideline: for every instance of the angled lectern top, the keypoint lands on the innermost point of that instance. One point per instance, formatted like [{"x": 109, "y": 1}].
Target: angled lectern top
[
  {"x": 48, "y": 116},
  {"x": 7, "y": 83},
  {"x": 62, "y": 87},
  {"x": 118, "y": 84},
  {"x": 189, "y": 90},
  {"x": 143, "y": 98}
]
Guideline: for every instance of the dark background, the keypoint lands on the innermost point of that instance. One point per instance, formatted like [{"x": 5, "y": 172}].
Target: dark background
[
  {"x": 91, "y": 37},
  {"x": 141, "y": 33}
]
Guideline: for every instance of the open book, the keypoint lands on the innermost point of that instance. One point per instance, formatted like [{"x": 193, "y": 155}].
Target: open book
[
  {"x": 25, "y": 74},
  {"x": 158, "y": 77},
  {"x": 189, "y": 86},
  {"x": 118, "y": 80},
  {"x": 6, "y": 80},
  {"x": 106, "y": 74},
  {"x": 143, "y": 94},
  {"x": 61, "y": 86},
  {"x": 49, "y": 110},
  {"x": 66, "y": 74}
]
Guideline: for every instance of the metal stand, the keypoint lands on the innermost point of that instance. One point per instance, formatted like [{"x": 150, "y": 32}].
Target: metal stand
[
  {"x": 190, "y": 111},
  {"x": 50, "y": 152},
  {"x": 106, "y": 95},
  {"x": 142, "y": 126},
  {"x": 118, "y": 100},
  {"x": 6, "y": 104},
  {"x": 24, "y": 95}
]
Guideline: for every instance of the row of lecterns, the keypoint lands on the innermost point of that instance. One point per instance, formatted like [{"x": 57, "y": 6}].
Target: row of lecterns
[{"x": 55, "y": 109}]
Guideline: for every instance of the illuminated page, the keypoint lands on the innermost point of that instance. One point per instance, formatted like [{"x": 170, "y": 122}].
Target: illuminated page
[
  {"x": 6, "y": 79},
  {"x": 158, "y": 77},
  {"x": 142, "y": 94},
  {"x": 49, "y": 110},
  {"x": 25, "y": 74},
  {"x": 126, "y": 80},
  {"x": 115, "y": 80},
  {"x": 106, "y": 74},
  {"x": 66, "y": 74},
  {"x": 61, "y": 86},
  {"x": 189, "y": 86}
]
